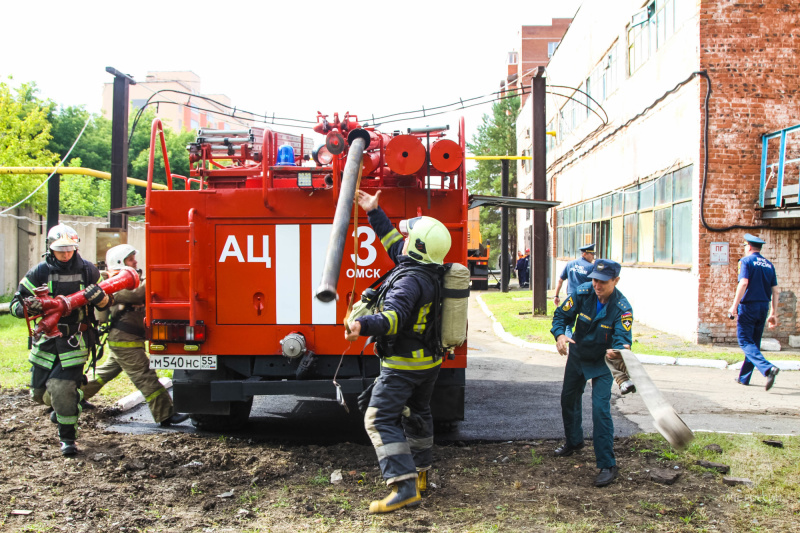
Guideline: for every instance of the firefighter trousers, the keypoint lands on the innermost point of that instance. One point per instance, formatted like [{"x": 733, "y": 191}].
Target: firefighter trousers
[
  {"x": 57, "y": 387},
  {"x": 131, "y": 358},
  {"x": 401, "y": 449}
]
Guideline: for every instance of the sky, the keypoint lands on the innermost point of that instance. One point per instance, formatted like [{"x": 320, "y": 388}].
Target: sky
[{"x": 290, "y": 58}]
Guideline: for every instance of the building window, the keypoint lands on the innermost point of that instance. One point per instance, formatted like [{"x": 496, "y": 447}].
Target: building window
[
  {"x": 527, "y": 164},
  {"x": 551, "y": 48},
  {"x": 650, "y": 222},
  {"x": 194, "y": 125},
  {"x": 528, "y": 211},
  {"x": 138, "y": 103},
  {"x": 649, "y": 30}
]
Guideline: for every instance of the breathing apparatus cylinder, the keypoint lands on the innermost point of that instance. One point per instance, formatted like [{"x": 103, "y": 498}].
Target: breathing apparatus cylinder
[{"x": 455, "y": 305}]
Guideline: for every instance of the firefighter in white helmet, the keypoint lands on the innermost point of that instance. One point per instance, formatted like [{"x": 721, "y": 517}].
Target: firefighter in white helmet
[
  {"x": 126, "y": 341},
  {"x": 58, "y": 362},
  {"x": 409, "y": 344}
]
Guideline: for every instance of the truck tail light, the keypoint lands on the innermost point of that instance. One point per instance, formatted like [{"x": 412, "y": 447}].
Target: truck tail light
[{"x": 176, "y": 331}]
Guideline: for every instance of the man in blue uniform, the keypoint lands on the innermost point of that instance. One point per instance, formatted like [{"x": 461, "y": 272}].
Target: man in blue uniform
[
  {"x": 603, "y": 320},
  {"x": 522, "y": 269},
  {"x": 577, "y": 272},
  {"x": 756, "y": 304},
  {"x": 409, "y": 346}
]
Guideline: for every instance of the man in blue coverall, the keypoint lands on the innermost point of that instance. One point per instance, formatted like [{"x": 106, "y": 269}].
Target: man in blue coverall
[
  {"x": 603, "y": 320},
  {"x": 577, "y": 273},
  {"x": 756, "y": 304},
  {"x": 405, "y": 332}
]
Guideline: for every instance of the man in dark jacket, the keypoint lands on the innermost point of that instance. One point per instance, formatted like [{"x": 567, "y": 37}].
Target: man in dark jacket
[
  {"x": 602, "y": 318},
  {"x": 407, "y": 344},
  {"x": 58, "y": 361}
]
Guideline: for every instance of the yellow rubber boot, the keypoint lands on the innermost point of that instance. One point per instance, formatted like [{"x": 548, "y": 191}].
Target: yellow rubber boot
[
  {"x": 403, "y": 493},
  {"x": 422, "y": 480}
]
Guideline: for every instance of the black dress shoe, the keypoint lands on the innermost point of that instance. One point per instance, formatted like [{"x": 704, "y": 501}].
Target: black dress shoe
[
  {"x": 565, "y": 450},
  {"x": 771, "y": 373},
  {"x": 606, "y": 476}
]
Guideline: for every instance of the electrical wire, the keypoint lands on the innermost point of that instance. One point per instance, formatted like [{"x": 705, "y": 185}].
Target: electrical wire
[
  {"x": 705, "y": 175},
  {"x": 84, "y": 223},
  {"x": 60, "y": 164},
  {"x": 706, "y": 225}
]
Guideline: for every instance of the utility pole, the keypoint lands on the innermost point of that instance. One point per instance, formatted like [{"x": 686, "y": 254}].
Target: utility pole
[
  {"x": 504, "y": 229},
  {"x": 539, "y": 230},
  {"x": 119, "y": 146},
  {"x": 53, "y": 200}
]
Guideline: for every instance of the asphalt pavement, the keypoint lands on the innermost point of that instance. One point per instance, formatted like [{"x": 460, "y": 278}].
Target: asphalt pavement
[{"x": 513, "y": 391}]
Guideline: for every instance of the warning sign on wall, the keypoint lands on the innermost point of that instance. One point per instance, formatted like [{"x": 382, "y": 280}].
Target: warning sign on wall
[{"x": 719, "y": 253}]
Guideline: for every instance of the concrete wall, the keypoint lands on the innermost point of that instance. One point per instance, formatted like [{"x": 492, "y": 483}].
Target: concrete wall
[
  {"x": 664, "y": 307},
  {"x": 593, "y": 160},
  {"x": 23, "y": 239}
]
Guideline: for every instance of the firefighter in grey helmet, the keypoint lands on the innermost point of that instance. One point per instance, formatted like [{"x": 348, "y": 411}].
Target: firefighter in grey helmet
[
  {"x": 405, "y": 330},
  {"x": 57, "y": 362},
  {"x": 126, "y": 343}
]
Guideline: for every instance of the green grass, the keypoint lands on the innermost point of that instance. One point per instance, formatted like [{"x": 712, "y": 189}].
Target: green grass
[
  {"x": 507, "y": 307},
  {"x": 15, "y": 368}
]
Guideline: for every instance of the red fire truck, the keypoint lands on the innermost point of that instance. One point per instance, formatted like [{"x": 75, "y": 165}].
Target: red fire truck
[{"x": 251, "y": 261}]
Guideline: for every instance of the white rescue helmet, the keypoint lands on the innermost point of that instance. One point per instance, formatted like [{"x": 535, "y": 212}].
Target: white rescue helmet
[
  {"x": 115, "y": 257},
  {"x": 428, "y": 239},
  {"x": 62, "y": 238}
]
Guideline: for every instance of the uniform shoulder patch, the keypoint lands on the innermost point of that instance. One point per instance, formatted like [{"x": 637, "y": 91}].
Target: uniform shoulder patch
[
  {"x": 584, "y": 288},
  {"x": 627, "y": 320},
  {"x": 568, "y": 304},
  {"x": 623, "y": 305}
]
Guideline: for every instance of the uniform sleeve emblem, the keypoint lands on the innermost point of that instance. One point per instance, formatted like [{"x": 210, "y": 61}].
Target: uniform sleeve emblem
[
  {"x": 627, "y": 320},
  {"x": 567, "y": 305}
]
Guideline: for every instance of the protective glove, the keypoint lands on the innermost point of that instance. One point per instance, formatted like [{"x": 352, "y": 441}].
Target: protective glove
[
  {"x": 94, "y": 294},
  {"x": 33, "y": 305},
  {"x": 413, "y": 421}
]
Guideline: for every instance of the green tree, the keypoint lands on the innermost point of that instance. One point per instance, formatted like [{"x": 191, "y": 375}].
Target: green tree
[
  {"x": 24, "y": 138},
  {"x": 497, "y": 135},
  {"x": 176, "y": 152}
]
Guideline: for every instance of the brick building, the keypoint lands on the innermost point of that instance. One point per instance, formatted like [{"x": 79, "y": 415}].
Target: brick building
[
  {"x": 537, "y": 44},
  {"x": 186, "y": 113},
  {"x": 630, "y": 166}
]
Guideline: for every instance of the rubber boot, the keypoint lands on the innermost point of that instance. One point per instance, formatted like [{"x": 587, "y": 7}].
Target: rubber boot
[
  {"x": 422, "y": 480},
  {"x": 403, "y": 493},
  {"x": 68, "y": 448}
]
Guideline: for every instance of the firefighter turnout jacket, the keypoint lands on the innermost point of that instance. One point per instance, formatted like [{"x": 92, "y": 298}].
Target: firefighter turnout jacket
[
  {"x": 61, "y": 279},
  {"x": 406, "y": 315}
]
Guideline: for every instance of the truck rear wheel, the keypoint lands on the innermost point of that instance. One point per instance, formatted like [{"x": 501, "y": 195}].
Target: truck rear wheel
[{"x": 238, "y": 417}]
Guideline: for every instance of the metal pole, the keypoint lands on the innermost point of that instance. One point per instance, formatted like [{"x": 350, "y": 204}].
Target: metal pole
[
  {"x": 504, "y": 229},
  {"x": 53, "y": 200},
  {"x": 119, "y": 145},
  {"x": 539, "y": 230}
]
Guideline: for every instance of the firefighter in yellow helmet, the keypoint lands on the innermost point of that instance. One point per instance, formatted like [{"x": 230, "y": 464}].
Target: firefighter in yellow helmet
[
  {"x": 126, "y": 341},
  {"x": 409, "y": 345},
  {"x": 58, "y": 362}
]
